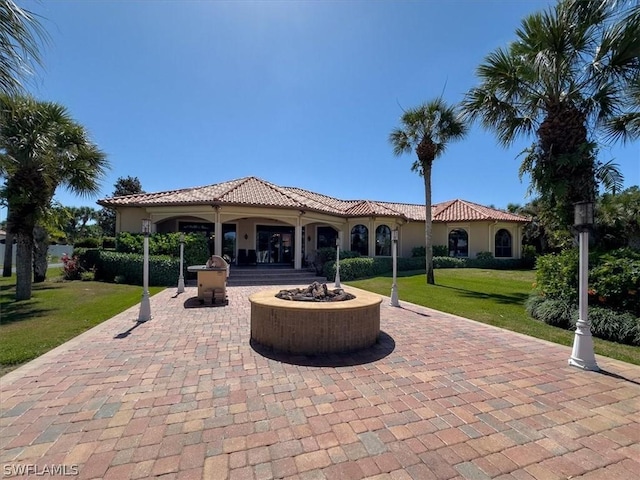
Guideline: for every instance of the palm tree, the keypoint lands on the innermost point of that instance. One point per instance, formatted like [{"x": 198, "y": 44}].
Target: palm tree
[
  {"x": 20, "y": 37},
  {"x": 41, "y": 148},
  {"x": 571, "y": 75},
  {"x": 427, "y": 130}
]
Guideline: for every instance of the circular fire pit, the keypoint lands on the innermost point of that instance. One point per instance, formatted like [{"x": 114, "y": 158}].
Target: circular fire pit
[{"x": 312, "y": 328}]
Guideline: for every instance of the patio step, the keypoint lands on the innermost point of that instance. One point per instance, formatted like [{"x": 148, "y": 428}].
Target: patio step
[{"x": 246, "y": 276}]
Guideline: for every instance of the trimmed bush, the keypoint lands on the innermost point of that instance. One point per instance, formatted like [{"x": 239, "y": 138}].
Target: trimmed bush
[
  {"x": 89, "y": 242},
  {"x": 440, "y": 251},
  {"x": 88, "y": 257},
  {"x": 419, "y": 252},
  {"x": 112, "y": 266},
  {"x": 196, "y": 250},
  {"x": 448, "y": 262},
  {"x": 109, "y": 243}
]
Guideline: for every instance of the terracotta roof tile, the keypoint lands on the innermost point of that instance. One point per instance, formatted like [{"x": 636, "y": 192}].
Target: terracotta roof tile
[{"x": 257, "y": 192}]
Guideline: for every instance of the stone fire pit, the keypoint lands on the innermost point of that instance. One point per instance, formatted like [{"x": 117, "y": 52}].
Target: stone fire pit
[{"x": 311, "y": 327}]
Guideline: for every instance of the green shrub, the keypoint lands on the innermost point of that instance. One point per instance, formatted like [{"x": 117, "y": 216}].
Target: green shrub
[
  {"x": 556, "y": 312},
  {"x": 614, "y": 278},
  {"x": 557, "y": 275},
  {"x": 109, "y": 243},
  {"x": 163, "y": 270},
  {"x": 621, "y": 327},
  {"x": 529, "y": 255},
  {"x": 440, "y": 251},
  {"x": 419, "y": 252},
  {"x": 88, "y": 257},
  {"x": 532, "y": 304},
  {"x": 615, "y": 282},
  {"x": 89, "y": 242},
  {"x": 449, "y": 262},
  {"x": 196, "y": 250}
]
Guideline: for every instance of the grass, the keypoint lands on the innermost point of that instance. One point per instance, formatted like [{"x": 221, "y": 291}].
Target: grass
[
  {"x": 494, "y": 297},
  {"x": 57, "y": 311}
]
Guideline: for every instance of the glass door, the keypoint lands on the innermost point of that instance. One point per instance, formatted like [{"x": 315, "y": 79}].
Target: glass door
[{"x": 274, "y": 245}]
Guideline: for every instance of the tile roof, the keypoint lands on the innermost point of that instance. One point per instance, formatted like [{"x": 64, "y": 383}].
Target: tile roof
[{"x": 252, "y": 191}]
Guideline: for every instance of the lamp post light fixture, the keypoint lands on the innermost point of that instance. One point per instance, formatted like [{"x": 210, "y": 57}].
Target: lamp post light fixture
[
  {"x": 337, "y": 282},
  {"x": 394, "y": 252},
  {"x": 181, "y": 277},
  {"x": 145, "y": 306},
  {"x": 582, "y": 355}
]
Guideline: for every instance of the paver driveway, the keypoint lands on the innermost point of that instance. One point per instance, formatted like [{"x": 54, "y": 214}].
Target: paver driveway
[{"x": 185, "y": 396}]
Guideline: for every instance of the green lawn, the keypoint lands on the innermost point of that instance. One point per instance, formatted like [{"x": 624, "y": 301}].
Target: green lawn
[
  {"x": 56, "y": 312},
  {"x": 495, "y": 297}
]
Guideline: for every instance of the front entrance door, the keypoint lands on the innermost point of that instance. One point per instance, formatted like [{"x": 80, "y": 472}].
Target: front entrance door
[{"x": 275, "y": 244}]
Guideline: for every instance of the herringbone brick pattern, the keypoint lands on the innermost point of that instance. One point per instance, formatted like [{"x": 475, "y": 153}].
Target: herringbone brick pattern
[{"x": 185, "y": 396}]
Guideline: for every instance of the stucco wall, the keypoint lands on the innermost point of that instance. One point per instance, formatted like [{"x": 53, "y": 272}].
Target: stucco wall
[{"x": 481, "y": 234}]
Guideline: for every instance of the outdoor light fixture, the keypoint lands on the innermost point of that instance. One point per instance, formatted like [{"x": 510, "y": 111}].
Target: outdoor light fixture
[
  {"x": 337, "y": 282},
  {"x": 181, "y": 277},
  {"x": 145, "y": 306},
  {"x": 582, "y": 355},
  {"x": 394, "y": 251},
  {"x": 583, "y": 215},
  {"x": 246, "y": 237}
]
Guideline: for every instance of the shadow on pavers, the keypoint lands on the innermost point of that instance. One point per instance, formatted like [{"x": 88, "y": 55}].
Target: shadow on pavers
[{"x": 383, "y": 347}]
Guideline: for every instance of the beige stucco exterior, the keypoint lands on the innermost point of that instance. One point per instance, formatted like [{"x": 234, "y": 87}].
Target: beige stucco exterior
[{"x": 250, "y": 209}]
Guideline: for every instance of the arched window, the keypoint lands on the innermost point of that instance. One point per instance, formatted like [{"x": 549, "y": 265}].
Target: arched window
[
  {"x": 360, "y": 240},
  {"x": 458, "y": 243},
  {"x": 503, "y": 243},
  {"x": 383, "y": 240}
]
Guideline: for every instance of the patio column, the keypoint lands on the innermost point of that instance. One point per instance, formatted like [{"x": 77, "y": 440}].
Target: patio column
[
  {"x": 297, "y": 264},
  {"x": 217, "y": 240}
]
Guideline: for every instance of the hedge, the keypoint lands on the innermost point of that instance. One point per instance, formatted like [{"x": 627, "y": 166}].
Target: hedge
[
  {"x": 163, "y": 269},
  {"x": 363, "y": 267}
]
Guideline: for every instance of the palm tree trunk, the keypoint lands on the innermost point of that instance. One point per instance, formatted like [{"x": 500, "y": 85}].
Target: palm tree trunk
[
  {"x": 23, "y": 266},
  {"x": 8, "y": 254},
  {"x": 8, "y": 248},
  {"x": 40, "y": 251},
  {"x": 428, "y": 230}
]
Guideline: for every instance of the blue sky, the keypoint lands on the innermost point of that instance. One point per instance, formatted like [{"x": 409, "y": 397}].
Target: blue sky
[{"x": 190, "y": 93}]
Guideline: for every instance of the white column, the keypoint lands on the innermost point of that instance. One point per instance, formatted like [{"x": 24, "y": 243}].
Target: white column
[
  {"x": 297, "y": 264},
  {"x": 217, "y": 240},
  {"x": 181, "y": 276}
]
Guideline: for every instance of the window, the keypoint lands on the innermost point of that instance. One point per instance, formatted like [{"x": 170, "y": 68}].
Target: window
[
  {"x": 326, "y": 237},
  {"x": 458, "y": 243},
  {"x": 383, "y": 240},
  {"x": 360, "y": 240},
  {"x": 503, "y": 243}
]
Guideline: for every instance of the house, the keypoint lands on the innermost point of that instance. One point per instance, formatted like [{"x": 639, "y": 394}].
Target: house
[{"x": 262, "y": 223}]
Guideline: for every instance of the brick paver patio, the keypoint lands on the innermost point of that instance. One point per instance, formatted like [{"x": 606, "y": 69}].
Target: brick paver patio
[{"x": 185, "y": 396}]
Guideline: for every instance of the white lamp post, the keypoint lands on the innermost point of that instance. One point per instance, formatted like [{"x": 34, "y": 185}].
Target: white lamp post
[
  {"x": 337, "y": 282},
  {"x": 582, "y": 355},
  {"x": 145, "y": 306},
  {"x": 181, "y": 277},
  {"x": 394, "y": 252}
]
